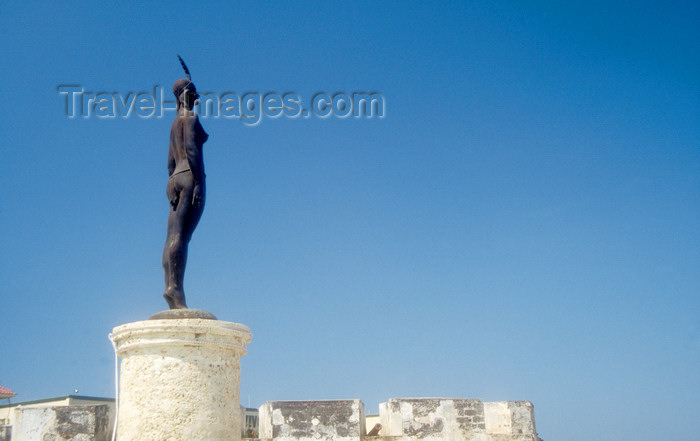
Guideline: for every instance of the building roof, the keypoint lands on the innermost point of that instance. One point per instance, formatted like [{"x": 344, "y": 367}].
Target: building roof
[
  {"x": 46, "y": 400},
  {"x": 6, "y": 393}
]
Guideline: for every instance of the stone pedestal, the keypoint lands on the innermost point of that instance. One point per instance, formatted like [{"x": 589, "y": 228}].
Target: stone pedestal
[{"x": 179, "y": 379}]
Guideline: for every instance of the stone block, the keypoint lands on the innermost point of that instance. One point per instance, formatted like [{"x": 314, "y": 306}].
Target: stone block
[
  {"x": 510, "y": 421},
  {"x": 434, "y": 419},
  {"x": 5, "y": 433},
  {"x": 336, "y": 420},
  {"x": 60, "y": 423}
]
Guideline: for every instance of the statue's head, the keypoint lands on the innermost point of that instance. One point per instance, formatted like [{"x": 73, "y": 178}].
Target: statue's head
[
  {"x": 185, "y": 92},
  {"x": 184, "y": 89}
]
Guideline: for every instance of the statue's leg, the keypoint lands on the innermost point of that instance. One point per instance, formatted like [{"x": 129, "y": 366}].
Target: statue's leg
[
  {"x": 175, "y": 251},
  {"x": 175, "y": 259},
  {"x": 185, "y": 224},
  {"x": 174, "y": 292},
  {"x": 182, "y": 222},
  {"x": 166, "y": 264}
]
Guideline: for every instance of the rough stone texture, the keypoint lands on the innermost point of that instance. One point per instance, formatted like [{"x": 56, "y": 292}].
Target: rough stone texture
[
  {"x": 337, "y": 420},
  {"x": 5, "y": 433},
  {"x": 60, "y": 423},
  {"x": 433, "y": 419},
  {"x": 390, "y": 438},
  {"x": 407, "y": 419},
  {"x": 180, "y": 379},
  {"x": 510, "y": 421}
]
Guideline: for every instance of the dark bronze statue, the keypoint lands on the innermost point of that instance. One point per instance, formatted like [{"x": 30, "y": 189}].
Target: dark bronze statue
[{"x": 186, "y": 188}]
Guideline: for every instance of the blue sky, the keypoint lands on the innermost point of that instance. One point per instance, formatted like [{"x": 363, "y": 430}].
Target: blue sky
[{"x": 521, "y": 225}]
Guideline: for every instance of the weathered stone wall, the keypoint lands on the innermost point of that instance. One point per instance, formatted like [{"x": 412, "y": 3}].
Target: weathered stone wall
[
  {"x": 510, "y": 421},
  {"x": 434, "y": 419},
  {"x": 337, "y": 420},
  {"x": 5, "y": 433},
  {"x": 406, "y": 419},
  {"x": 60, "y": 423}
]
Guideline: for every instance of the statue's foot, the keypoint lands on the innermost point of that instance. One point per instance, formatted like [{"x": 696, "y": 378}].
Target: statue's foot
[{"x": 175, "y": 299}]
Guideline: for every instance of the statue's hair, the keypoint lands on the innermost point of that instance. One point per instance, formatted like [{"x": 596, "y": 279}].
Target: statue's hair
[{"x": 184, "y": 66}]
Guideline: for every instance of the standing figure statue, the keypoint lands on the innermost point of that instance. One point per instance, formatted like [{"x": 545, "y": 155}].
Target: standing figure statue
[{"x": 186, "y": 188}]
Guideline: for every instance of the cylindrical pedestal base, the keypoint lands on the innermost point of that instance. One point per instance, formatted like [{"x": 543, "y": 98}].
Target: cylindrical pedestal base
[{"x": 180, "y": 379}]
